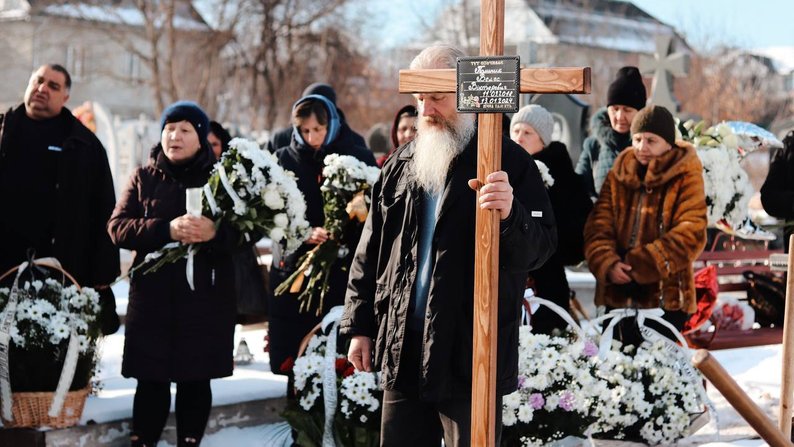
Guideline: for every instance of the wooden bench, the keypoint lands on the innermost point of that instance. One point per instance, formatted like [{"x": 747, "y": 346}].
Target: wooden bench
[{"x": 730, "y": 265}]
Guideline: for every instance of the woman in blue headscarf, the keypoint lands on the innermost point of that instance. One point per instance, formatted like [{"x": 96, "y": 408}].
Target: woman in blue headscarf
[{"x": 316, "y": 134}]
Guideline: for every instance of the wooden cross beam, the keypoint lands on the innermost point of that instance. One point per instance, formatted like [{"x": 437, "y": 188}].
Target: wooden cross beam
[
  {"x": 489, "y": 159},
  {"x": 533, "y": 80}
]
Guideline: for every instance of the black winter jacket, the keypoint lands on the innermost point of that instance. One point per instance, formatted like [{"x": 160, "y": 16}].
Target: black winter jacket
[
  {"x": 288, "y": 325},
  {"x": 174, "y": 333},
  {"x": 383, "y": 273},
  {"x": 777, "y": 194},
  {"x": 283, "y": 137},
  {"x": 85, "y": 199},
  {"x": 571, "y": 205}
]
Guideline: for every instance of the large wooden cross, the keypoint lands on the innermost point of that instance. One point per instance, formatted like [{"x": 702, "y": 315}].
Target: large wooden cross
[{"x": 489, "y": 159}]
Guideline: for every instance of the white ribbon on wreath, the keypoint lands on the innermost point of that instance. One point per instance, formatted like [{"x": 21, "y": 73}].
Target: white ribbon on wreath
[
  {"x": 211, "y": 200},
  {"x": 607, "y": 336},
  {"x": 69, "y": 364},
  {"x": 329, "y": 373},
  {"x": 239, "y": 205},
  {"x": 681, "y": 351}
]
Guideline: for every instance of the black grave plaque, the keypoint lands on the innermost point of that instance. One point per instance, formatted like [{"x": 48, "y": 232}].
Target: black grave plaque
[{"x": 488, "y": 84}]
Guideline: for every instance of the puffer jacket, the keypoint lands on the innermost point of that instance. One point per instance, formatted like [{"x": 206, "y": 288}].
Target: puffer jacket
[
  {"x": 599, "y": 152},
  {"x": 656, "y": 224},
  {"x": 384, "y": 271}
]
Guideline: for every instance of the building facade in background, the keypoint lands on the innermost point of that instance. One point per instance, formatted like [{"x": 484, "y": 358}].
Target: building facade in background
[{"x": 108, "y": 50}]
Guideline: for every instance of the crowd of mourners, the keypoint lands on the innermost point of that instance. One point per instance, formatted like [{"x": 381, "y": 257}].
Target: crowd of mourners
[{"x": 633, "y": 207}]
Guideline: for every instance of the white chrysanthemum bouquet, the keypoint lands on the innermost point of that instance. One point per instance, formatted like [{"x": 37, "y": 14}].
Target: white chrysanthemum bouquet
[
  {"x": 567, "y": 388},
  {"x": 653, "y": 395},
  {"x": 47, "y": 316},
  {"x": 727, "y": 186},
  {"x": 249, "y": 191},
  {"x": 350, "y": 413},
  {"x": 45, "y": 319},
  {"x": 557, "y": 390},
  {"x": 346, "y": 200}
]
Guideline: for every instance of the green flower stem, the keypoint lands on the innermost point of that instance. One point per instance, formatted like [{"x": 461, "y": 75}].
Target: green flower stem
[
  {"x": 169, "y": 256},
  {"x": 318, "y": 262}
]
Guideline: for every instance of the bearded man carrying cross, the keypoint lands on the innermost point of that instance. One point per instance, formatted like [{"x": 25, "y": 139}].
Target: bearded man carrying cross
[{"x": 412, "y": 280}]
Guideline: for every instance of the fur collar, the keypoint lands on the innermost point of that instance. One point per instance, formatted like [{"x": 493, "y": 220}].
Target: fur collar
[
  {"x": 601, "y": 128},
  {"x": 681, "y": 159}
]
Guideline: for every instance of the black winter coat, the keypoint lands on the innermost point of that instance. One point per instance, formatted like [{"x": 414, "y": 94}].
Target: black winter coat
[
  {"x": 571, "y": 205},
  {"x": 287, "y": 325},
  {"x": 777, "y": 194},
  {"x": 383, "y": 273},
  {"x": 347, "y": 135},
  {"x": 173, "y": 333},
  {"x": 85, "y": 199}
]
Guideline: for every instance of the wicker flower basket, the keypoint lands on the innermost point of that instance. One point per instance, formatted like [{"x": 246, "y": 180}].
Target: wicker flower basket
[{"x": 30, "y": 409}]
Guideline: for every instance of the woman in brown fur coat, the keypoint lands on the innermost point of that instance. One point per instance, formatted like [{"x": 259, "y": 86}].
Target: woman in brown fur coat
[{"x": 649, "y": 223}]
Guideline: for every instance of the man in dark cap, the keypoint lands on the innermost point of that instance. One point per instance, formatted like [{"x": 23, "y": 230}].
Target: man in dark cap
[
  {"x": 282, "y": 137},
  {"x": 56, "y": 189},
  {"x": 610, "y": 129}
]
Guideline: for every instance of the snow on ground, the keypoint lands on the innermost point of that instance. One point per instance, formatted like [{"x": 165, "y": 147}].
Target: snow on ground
[
  {"x": 758, "y": 371},
  {"x": 249, "y": 382},
  {"x": 237, "y": 437}
]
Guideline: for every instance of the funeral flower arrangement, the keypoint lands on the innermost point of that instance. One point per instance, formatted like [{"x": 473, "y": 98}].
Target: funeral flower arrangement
[
  {"x": 653, "y": 394},
  {"x": 557, "y": 390},
  {"x": 333, "y": 401},
  {"x": 345, "y": 190},
  {"x": 46, "y": 318},
  {"x": 545, "y": 174},
  {"x": 53, "y": 330},
  {"x": 727, "y": 185},
  {"x": 568, "y": 389},
  {"x": 252, "y": 193}
]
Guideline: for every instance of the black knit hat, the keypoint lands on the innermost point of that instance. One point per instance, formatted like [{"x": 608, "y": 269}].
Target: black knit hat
[
  {"x": 187, "y": 111},
  {"x": 319, "y": 88},
  {"x": 627, "y": 89},
  {"x": 656, "y": 120}
]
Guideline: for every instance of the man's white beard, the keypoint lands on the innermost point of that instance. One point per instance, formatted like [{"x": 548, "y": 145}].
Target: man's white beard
[{"x": 436, "y": 146}]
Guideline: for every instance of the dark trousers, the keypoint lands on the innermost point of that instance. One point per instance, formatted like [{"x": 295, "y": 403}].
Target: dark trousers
[
  {"x": 153, "y": 402},
  {"x": 406, "y": 420}
]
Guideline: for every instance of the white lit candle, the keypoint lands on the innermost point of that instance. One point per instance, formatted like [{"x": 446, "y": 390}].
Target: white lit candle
[{"x": 193, "y": 201}]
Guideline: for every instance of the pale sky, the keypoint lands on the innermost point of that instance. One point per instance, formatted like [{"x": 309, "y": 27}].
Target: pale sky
[{"x": 743, "y": 23}]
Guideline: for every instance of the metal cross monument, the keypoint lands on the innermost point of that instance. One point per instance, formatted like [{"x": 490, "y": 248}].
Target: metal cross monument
[{"x": 489, "y": 159}]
